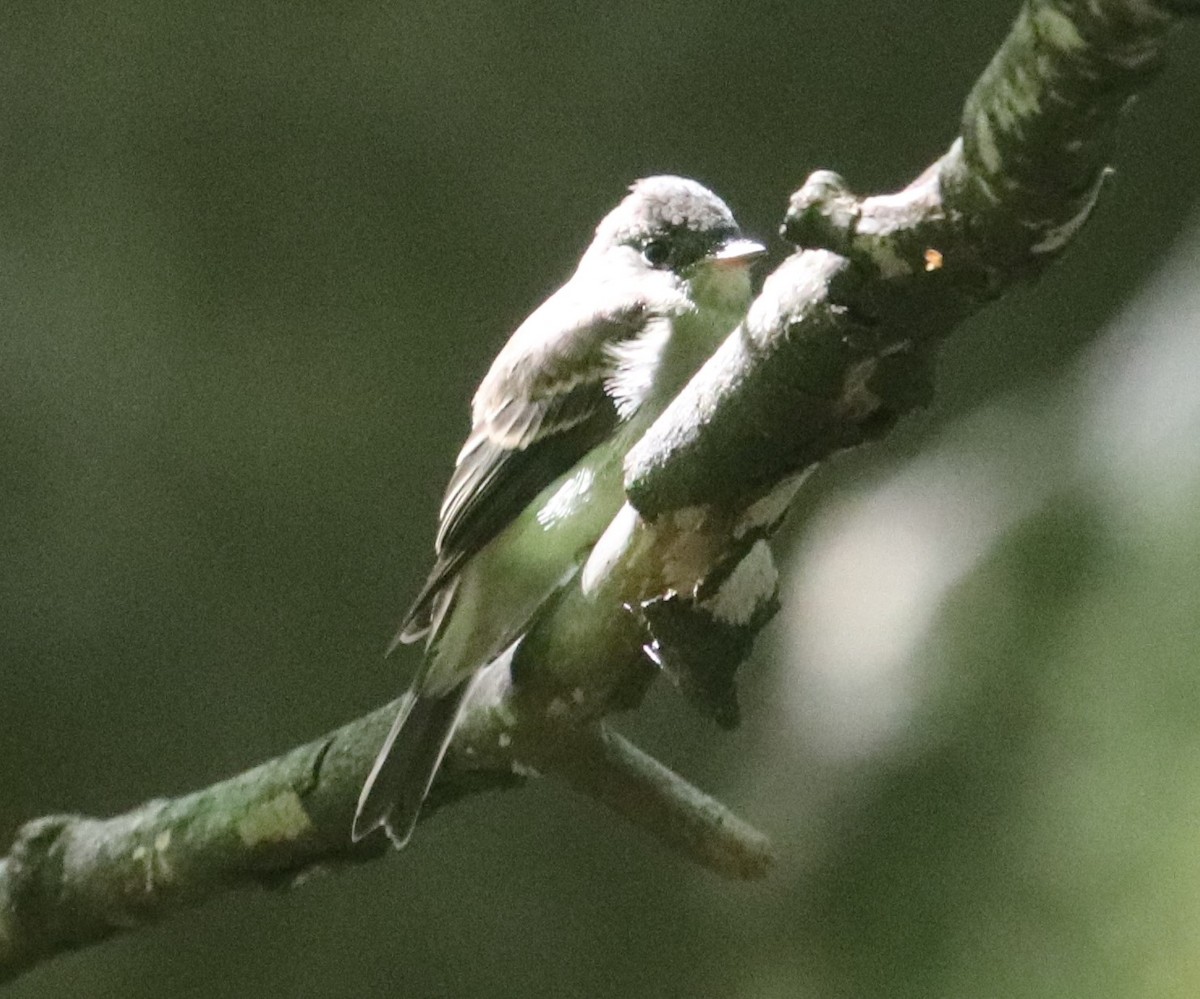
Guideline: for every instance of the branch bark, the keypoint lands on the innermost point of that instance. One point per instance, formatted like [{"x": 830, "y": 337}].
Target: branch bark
[{"x": 836, "y": 348}]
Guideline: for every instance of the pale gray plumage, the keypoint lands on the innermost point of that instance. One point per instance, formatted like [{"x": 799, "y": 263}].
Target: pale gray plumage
[{"x": 663, "y": 281}]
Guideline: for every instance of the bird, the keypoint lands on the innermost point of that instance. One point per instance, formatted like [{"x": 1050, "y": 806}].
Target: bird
[{"x": 664, "y": 280}]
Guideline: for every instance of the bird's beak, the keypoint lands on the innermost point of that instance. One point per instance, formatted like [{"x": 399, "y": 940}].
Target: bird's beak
[{"x": 738, "y": 252}]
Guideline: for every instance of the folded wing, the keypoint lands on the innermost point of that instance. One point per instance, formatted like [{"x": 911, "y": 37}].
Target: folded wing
[{"x": 542, "y": 406}]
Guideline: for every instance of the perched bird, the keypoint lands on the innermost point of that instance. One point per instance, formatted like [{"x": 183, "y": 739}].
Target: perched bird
[{"x": 665, "y": 279}]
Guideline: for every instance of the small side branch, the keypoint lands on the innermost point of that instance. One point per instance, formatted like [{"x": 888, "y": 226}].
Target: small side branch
[{"x": 607, "y": 767}]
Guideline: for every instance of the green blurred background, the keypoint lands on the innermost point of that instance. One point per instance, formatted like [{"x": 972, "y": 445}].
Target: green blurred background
[{"x": 254, "y": 258}]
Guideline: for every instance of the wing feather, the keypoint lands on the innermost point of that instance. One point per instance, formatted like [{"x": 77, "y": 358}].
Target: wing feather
[{"x": 542, "y": 406}]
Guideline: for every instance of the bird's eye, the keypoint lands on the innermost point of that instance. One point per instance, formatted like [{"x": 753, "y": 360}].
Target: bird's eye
[{"x": 656, "y": 252}]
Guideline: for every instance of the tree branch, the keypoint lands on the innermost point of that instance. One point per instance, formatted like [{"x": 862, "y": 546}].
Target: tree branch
[
  {"x": 70, "y": 880},
  {"x": 834, "y": 350}
]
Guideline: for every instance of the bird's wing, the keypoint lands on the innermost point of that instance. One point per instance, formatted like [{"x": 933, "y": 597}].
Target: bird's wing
[{"x": 541, "y": 408}]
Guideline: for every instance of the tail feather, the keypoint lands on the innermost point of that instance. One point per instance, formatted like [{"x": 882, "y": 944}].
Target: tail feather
[
  {"x": 405, "y": 767},
  {"x": 424, "y": 618}
]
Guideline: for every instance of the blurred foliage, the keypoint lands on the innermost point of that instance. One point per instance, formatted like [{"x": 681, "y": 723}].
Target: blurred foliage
[{"x": 253, "y": 259}]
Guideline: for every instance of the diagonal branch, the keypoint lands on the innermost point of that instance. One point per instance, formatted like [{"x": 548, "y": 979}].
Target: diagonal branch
[{"x": 835, "y": 349}]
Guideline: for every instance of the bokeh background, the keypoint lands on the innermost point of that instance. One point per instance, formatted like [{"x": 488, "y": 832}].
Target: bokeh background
[{"x": 253, "y": 259}]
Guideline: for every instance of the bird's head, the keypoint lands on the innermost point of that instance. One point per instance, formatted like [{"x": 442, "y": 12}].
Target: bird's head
[{"x": 675, "y": 225}]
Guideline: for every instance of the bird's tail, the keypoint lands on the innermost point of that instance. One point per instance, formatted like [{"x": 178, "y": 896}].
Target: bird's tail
[{"x": 406, "y": 765}]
